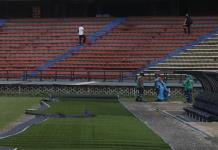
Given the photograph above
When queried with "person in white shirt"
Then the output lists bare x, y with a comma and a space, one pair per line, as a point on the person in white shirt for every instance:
81, 34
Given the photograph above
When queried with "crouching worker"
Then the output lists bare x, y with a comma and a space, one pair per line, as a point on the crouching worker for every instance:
140, 87
161, 89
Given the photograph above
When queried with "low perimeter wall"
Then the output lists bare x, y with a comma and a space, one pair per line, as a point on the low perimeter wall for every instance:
43, 89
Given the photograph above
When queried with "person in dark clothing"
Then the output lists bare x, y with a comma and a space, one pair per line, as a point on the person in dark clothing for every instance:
188, 87
140, 87
187, 24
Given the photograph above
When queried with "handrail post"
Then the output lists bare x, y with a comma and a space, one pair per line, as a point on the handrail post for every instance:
74, 75
166, 76
104, 76
149, 76
180, 78
71, 76
121, 77
40, 75
7, 75
24, 75
56, 75
88, 76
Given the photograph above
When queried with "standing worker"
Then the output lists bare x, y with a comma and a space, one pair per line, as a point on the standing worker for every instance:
188, 86
162, 92
187, 23
81, 33
140, 87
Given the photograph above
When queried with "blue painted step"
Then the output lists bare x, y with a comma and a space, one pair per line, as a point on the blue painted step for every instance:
92, 38
179, 50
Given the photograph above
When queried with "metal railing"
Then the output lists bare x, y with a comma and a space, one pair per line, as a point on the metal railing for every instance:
58, 75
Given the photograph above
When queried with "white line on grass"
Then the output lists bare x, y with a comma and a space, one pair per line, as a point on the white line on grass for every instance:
19, 131
15, 133
46, 104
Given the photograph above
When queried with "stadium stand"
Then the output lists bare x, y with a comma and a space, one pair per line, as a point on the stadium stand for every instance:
132, 45
200, 56
29, 43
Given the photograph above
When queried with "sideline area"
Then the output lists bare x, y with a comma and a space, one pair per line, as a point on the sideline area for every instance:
162, 118
12, 113
12, 109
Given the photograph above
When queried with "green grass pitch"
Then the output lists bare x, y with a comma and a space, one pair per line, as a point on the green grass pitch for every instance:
113, 128
11, 108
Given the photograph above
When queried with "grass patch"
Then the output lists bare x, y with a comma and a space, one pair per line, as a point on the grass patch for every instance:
113, 128
13, 107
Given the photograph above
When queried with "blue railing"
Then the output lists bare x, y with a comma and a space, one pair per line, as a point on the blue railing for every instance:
2, 22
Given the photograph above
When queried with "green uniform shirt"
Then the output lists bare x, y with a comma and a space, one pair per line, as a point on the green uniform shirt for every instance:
188, 83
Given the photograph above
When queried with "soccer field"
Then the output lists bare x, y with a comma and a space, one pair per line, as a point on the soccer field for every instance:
112, 128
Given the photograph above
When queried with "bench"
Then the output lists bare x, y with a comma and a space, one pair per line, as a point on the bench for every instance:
200, 115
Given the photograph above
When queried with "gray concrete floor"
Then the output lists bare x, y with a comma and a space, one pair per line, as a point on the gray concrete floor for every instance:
180, 135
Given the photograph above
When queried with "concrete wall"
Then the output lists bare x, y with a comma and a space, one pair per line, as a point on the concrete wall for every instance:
45, 90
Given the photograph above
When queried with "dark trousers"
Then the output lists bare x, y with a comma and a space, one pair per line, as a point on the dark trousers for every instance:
187, 28
140, 94
81, 39
188, 95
